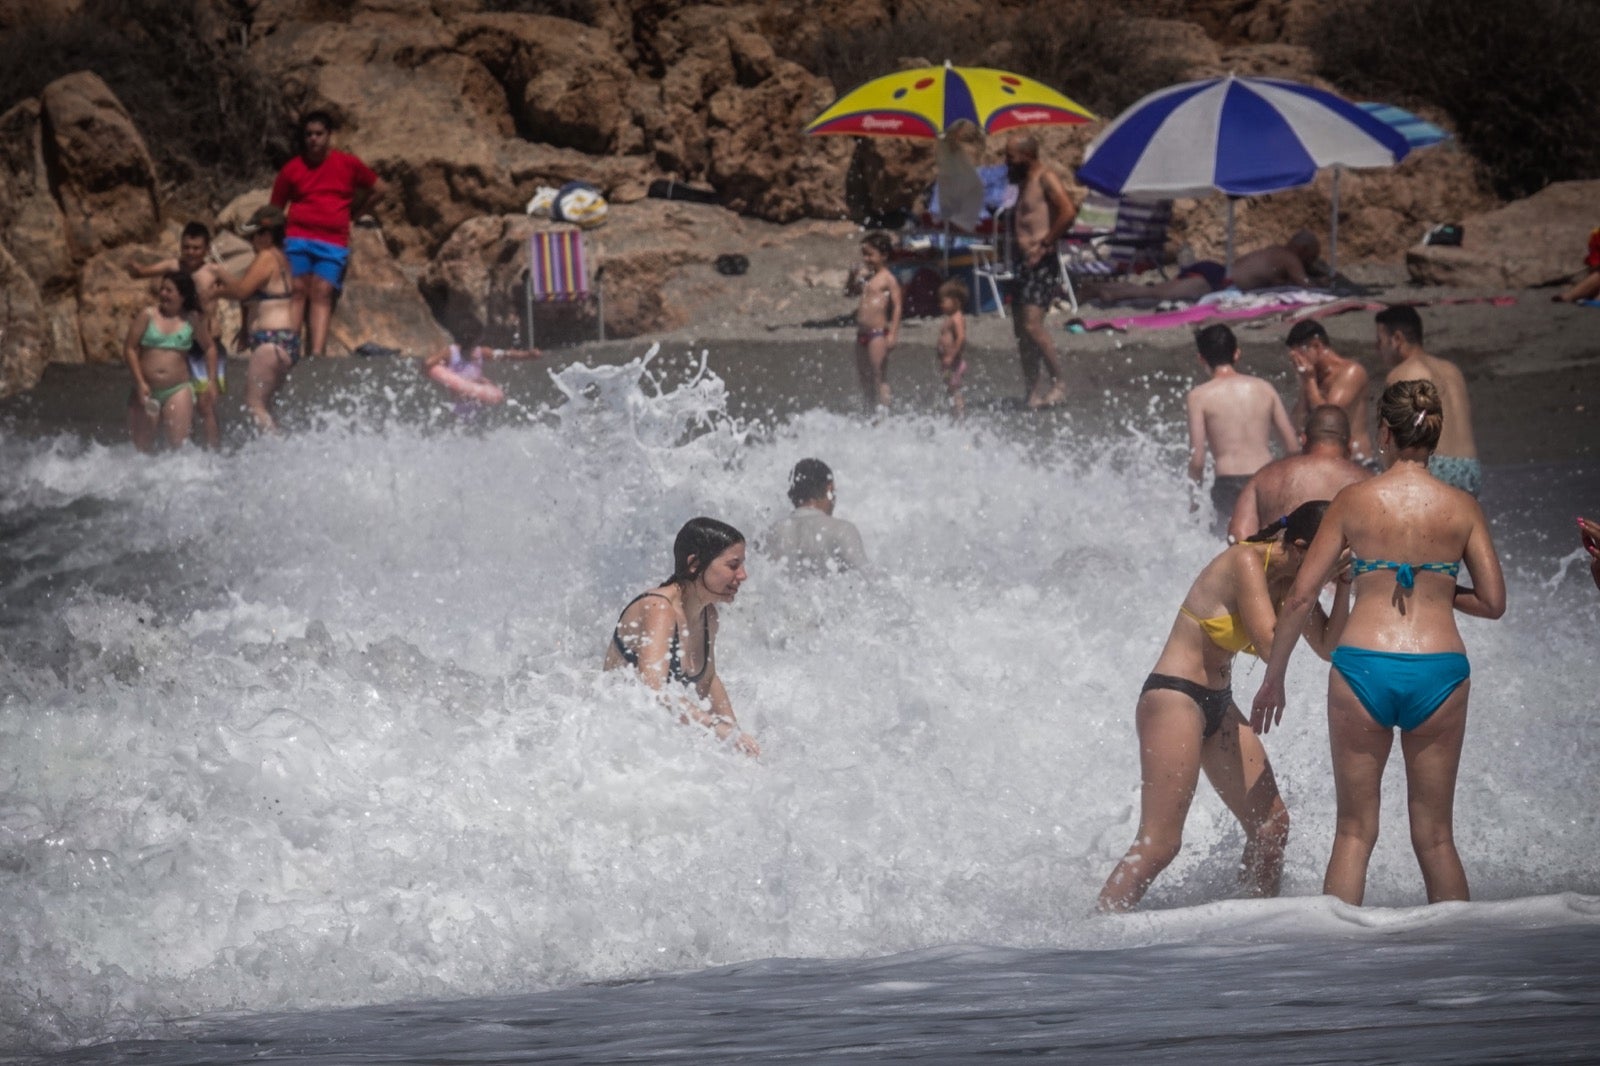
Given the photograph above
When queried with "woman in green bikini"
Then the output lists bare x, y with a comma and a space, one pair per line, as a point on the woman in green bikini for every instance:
157, 351
1188, 722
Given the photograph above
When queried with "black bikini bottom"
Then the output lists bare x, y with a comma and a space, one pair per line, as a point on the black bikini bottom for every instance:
1213, 702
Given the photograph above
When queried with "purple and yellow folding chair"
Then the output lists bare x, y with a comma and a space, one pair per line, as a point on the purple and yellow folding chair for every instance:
558, 273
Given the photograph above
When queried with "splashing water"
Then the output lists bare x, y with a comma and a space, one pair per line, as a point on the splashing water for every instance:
321, 722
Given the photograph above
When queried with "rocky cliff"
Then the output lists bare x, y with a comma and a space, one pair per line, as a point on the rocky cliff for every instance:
467, 111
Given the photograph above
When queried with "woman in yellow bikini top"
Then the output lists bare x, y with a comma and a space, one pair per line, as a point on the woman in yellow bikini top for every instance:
1187, 720
1227, 631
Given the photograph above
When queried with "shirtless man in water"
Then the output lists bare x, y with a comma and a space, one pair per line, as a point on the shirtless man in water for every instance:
1455, 459
877, 318
1264, 268
1234, 415
1328, 377
1322, 468
1042, 215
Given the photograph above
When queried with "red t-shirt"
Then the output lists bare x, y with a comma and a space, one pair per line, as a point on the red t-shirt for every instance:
318, 198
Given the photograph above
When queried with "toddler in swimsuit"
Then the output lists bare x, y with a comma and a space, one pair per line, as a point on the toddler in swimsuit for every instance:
953, 341
877, 318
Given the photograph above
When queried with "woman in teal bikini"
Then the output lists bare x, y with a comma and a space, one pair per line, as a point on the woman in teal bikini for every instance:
1187, 720
157, 353
1401, 662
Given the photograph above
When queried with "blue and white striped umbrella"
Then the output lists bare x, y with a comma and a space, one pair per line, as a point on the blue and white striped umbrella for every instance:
1233, 135
1239, 136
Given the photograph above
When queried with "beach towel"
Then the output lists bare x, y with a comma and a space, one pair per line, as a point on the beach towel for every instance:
1227, 305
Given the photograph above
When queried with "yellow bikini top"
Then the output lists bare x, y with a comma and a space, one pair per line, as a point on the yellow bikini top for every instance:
1227, 630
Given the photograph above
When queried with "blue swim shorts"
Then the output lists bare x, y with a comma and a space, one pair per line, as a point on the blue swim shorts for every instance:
326, 261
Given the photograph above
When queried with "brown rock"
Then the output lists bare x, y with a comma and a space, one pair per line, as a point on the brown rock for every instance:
1528, 243
107, 301
380, 303
655, 254
31, 223
24, 346
105, 181
762, 162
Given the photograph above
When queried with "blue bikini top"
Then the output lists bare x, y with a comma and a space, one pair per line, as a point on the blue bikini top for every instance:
1405, 575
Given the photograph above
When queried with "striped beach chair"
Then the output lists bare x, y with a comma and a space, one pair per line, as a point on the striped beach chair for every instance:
558, 272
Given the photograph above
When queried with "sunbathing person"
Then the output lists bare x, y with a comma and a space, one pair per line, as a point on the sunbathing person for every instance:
1264, 268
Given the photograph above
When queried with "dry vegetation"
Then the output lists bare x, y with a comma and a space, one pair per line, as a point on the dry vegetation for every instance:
213, 123
1518, 80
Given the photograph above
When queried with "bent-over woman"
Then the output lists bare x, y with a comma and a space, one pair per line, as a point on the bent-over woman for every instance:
1400, 662
1188, 722
669, 633
266, 294
157, 352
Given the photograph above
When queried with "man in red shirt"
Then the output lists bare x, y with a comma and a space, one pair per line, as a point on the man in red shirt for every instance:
321, 188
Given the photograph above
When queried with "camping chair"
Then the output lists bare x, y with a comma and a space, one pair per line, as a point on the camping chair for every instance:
558, 273
1112, 237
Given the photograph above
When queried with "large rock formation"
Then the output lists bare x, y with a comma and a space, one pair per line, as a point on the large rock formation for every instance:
107, 182
1532, 242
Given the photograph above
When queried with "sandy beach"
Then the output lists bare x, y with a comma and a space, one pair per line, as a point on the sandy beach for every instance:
781, 336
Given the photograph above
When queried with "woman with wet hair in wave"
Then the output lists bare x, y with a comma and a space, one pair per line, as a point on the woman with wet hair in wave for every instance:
668, 634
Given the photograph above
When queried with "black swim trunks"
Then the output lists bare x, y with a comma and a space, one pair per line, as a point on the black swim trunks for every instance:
1225, 492
1214, 273
1213, 702
1036, 285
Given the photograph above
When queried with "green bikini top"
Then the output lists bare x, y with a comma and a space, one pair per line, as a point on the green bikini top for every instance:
179, 340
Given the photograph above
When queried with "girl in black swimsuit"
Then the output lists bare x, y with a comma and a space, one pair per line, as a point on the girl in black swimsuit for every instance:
656, 635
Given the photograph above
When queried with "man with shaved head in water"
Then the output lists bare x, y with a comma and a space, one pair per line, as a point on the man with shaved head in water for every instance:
1322, 468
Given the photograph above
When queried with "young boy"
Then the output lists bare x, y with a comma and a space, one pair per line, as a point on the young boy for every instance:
877, 318
194, 259
1234, 415
953, 341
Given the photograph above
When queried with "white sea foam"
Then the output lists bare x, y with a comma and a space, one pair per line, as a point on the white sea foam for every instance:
321, 722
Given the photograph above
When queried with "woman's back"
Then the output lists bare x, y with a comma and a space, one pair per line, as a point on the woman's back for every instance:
1407, 533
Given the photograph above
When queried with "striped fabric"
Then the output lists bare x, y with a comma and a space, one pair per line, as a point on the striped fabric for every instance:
1113, 236
557, 270
1418, 132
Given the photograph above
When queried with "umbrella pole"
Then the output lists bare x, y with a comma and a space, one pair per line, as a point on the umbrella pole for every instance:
1230, 236
1333, 231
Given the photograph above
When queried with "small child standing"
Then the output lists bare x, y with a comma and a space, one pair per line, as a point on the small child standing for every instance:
953, 298
877, 318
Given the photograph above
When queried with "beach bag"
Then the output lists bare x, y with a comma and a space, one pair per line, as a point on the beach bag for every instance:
580, 203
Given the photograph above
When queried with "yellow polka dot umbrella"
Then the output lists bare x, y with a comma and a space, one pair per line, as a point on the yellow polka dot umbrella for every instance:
927, 101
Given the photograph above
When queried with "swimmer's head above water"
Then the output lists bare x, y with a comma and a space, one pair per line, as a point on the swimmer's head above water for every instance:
810, 482
711, 553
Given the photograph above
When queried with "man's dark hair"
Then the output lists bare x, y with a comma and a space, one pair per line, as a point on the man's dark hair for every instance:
809, 480
1217, 345
1401, 319
881, 241
1302, 332
194, 230
321, 118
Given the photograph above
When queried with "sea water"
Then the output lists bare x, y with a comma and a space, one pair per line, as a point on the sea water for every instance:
305, 755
